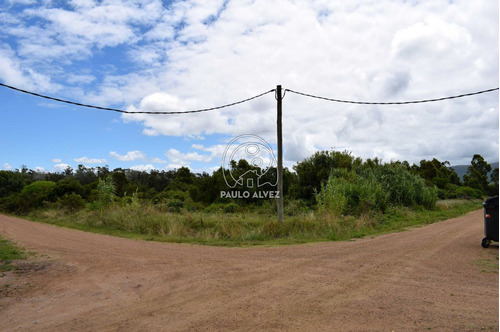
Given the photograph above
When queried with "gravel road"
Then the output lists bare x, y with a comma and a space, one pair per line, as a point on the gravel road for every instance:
436, 277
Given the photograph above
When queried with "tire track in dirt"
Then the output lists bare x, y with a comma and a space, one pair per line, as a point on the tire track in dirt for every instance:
424, 278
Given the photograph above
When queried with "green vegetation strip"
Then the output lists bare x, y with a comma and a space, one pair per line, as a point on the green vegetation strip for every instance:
9, 252
247, 229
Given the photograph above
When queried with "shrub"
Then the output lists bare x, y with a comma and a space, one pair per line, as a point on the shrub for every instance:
13, 204
41, 188
10, 183
105, 194
466, 193
295, 207
347, 192
33, 196
365, 190
68, 186
405, 188
223, 207
175, 205
71, 202
230, 207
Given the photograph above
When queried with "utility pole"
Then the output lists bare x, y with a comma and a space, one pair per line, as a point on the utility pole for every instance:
280, 156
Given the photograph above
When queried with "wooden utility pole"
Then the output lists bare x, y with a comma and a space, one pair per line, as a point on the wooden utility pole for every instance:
280, 156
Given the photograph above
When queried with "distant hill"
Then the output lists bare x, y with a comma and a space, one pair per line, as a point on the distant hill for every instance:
462, 169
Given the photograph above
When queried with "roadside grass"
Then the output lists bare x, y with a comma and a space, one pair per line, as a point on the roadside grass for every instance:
490, 263
144, 221
10, 252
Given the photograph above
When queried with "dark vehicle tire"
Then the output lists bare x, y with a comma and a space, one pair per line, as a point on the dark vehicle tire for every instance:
485, 243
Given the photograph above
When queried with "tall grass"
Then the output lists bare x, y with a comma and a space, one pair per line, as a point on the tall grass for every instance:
150, 222
405, 188
373, 190
349, 193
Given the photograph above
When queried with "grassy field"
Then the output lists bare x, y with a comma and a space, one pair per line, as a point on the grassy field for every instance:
146, 222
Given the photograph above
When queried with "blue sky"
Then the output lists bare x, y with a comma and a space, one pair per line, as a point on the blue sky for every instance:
149, 55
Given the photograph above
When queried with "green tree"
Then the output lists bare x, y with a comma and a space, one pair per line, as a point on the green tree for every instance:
85, 175
71, 202
313, 172
437, 172
366, 189
120, 181
35, 194
477, 174
10, 183
105, 193
68, 186
493, 187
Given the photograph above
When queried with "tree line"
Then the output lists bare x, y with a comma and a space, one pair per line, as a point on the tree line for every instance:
320, 181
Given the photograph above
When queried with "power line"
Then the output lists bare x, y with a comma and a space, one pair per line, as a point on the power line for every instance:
137, 112
248, 99
391, 103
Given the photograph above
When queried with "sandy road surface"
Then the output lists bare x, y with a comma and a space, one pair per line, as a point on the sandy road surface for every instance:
428, 278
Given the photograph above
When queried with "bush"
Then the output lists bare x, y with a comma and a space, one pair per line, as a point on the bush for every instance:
372, 189
349, 193
13, 204
71, 202
68, 186
405, 188
105, 194
466, 193
10, 183
41, 188
175, 205
34, 195
295, 207
222, 207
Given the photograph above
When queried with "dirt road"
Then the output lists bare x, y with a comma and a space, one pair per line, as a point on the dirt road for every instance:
428, 278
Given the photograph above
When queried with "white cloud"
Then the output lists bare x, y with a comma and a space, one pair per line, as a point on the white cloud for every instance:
14, 73
22, 2
198, 54
145, 168
39, 169
129, 156
345, 51
86, 160
216, 151
81, 79
56, 160
177, 158
61, 167
7, 167
158, 161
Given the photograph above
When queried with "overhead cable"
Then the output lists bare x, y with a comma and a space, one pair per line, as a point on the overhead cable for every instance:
134, 112
248, 99
391, 103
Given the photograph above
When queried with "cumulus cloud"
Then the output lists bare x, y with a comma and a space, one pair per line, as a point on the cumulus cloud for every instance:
86, 160
7, 167
13, 72
129, 156
158, 161
216, 151
177, 158
416, 54
199, 54
39, 169
143, 168
60, 167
